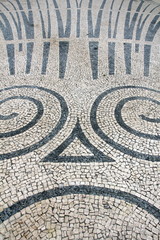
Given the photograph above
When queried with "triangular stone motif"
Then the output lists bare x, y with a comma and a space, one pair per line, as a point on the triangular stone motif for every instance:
89, 152
76, 148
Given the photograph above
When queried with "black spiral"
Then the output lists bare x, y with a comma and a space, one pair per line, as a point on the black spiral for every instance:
40, 111
118, 124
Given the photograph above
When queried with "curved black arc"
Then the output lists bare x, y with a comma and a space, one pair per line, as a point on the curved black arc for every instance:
120, 121
8, 117
81, 189
102, 135
58, 127
30, 124
155, 120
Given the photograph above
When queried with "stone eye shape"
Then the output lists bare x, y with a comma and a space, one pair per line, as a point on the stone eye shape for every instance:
29, 121
127, 109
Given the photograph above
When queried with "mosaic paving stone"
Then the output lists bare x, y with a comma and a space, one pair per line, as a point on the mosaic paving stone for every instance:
79, 119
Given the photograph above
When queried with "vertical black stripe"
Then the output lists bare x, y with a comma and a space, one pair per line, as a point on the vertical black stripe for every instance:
61, 32
116, 26
110, 25
94, 33
153, 28
136, 48
28, 4
29, 56
130, 5
90, 24
44, 34
112, 4
116, 22
42, 20
49, 24
55, 3
111, 57
49, 19
121, 5
151, 32
6, 27
78, 23
17, 24
130, 23
140, 26
90, 3
20, 47
127, 55
140, 6
46, 50
19, 5
103, 4
68, 24
93, 49
28, 24
47, 4
28, 20
98, 24
147, 55
11, 58
63, 55
78, 5
68, 4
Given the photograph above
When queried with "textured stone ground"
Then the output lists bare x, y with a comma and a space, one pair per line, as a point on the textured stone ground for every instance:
79, 119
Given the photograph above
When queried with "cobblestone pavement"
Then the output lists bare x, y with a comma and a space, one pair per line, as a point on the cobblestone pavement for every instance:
79, 119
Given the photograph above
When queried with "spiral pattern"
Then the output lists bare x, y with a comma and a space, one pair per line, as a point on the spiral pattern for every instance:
127, 118
28, 113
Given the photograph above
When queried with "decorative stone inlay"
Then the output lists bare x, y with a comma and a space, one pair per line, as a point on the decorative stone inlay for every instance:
79, 120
